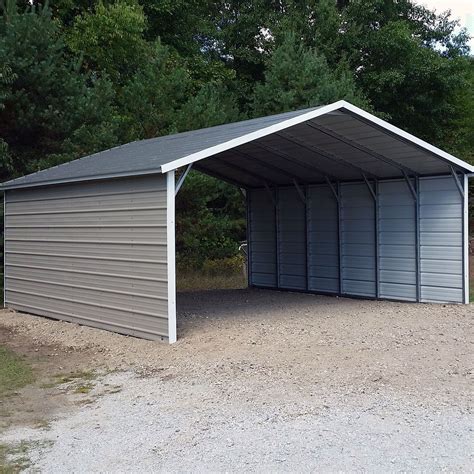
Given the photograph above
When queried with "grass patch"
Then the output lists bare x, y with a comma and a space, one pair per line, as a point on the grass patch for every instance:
187, 281
15, 372
86, 388
73, 376
14, 457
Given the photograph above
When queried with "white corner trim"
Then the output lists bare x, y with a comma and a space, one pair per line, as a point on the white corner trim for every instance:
171, 255
249, 137
465, 233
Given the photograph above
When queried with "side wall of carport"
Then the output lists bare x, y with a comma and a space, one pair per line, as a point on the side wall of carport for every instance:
94, 253
394, 240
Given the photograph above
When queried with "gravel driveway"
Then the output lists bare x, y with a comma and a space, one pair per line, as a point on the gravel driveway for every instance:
269, 381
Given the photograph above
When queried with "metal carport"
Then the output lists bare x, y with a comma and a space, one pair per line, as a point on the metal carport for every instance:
338, 202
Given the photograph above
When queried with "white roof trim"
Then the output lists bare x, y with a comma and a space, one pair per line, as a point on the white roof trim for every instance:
341, 104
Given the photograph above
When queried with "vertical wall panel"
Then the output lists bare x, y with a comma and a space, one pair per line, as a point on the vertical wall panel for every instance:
92, 253
323, 240
291, 239
397, 241
262, 244
358, 240
441, 240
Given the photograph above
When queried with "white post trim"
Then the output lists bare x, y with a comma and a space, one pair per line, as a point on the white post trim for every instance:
4, 253
171, 254
466, 239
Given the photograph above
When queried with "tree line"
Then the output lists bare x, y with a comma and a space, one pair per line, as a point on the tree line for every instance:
79, 76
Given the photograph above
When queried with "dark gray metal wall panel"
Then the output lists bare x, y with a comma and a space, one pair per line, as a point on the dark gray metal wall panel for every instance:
291, 239
323, 239
397, 241
441, 232
358, 240
92, 253
262, 244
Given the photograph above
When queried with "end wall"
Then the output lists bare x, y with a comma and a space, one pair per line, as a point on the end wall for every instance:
92, 253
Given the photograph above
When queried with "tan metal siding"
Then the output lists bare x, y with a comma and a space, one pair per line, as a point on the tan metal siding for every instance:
91, 253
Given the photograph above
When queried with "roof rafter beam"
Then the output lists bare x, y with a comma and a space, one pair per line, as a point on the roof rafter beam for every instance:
362, 148
326, 155
253, 175
310, 167
266, 164
214, 174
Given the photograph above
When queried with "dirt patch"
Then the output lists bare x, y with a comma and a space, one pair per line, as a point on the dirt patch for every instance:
268, 380
54, 367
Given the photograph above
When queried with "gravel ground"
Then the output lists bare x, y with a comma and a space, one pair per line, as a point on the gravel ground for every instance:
262, 381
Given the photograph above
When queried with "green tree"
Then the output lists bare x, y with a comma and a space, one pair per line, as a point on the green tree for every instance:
298, 76
408, 61
111, 39
49, 112
210, 220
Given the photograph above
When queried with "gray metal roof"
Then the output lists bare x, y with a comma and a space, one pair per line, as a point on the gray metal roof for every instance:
337, 141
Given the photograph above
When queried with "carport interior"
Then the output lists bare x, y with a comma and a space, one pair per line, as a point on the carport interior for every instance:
340, 205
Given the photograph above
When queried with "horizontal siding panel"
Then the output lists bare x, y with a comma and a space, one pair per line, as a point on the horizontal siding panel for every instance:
132, 251
94, 297
93, 253
101, 280
436, 211
441, 253
324, 271
119, 200
122, 217
122, 234
130, 268
442, 266
264, 279
394, 251
431, 294
262, 241
398, 238
403, 277
358, 288
441, 240
87, 314
330, 285
398, 263
295, 282
441, 280
450, 239
398, 292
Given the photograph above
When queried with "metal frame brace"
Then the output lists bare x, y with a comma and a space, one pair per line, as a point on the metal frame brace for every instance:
182, 178
458, 183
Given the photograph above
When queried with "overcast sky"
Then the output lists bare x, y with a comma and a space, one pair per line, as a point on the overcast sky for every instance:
462, 9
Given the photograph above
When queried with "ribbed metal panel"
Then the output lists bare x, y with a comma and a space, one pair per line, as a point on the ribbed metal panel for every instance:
441, 240
92, 253
397, 240
262, 243
412, 262
323, 239
358, 240
291, 239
